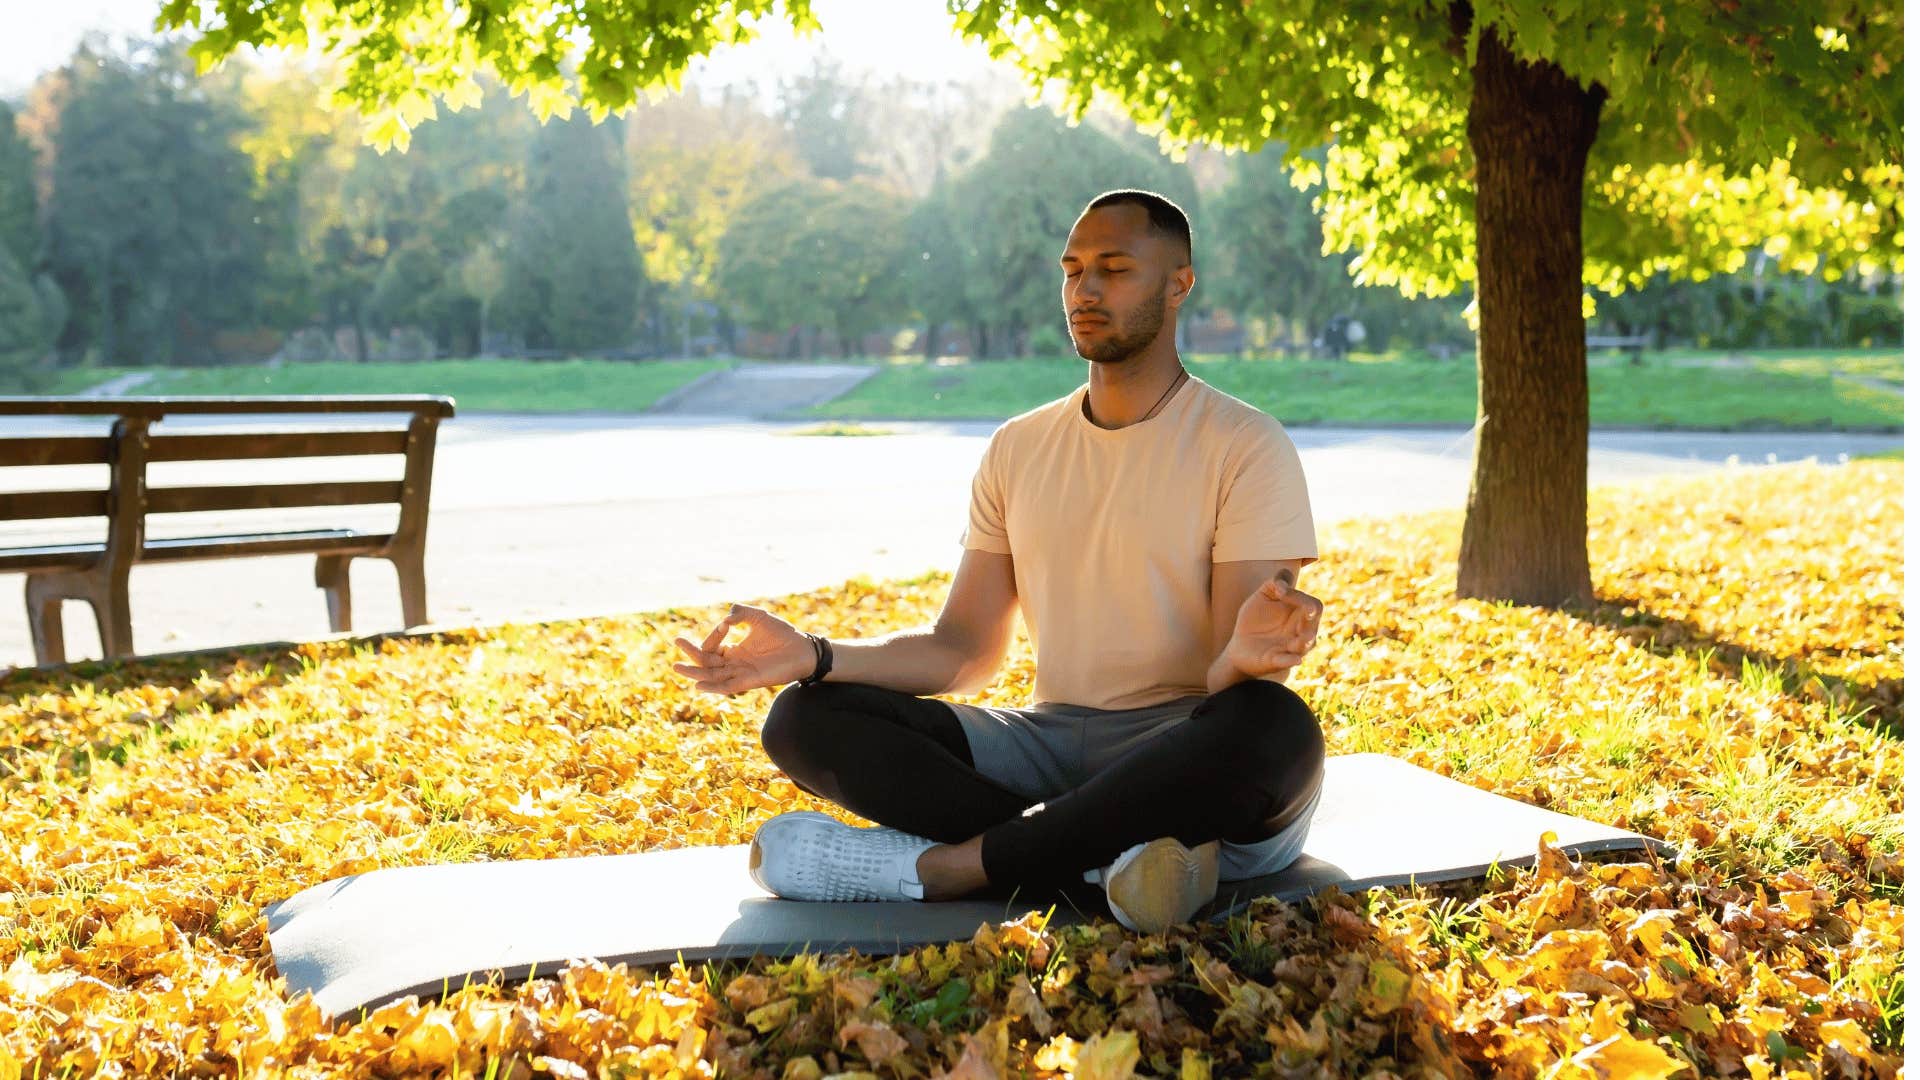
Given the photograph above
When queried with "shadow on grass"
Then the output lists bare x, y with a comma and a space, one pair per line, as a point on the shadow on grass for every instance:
75, 741
1879, 707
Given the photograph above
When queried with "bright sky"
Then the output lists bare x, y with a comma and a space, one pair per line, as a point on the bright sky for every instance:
884, 37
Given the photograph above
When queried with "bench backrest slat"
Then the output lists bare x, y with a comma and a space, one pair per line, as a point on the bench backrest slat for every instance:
274, 444
153, 408
187, 500
55, 450
32, 505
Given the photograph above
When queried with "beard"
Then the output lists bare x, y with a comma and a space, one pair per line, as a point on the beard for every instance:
1135, 333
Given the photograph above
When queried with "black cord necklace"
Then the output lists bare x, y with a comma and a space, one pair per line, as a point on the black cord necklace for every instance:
1177, 379
1086, 401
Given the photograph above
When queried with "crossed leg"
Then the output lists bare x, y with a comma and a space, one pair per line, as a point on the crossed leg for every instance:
1242, 767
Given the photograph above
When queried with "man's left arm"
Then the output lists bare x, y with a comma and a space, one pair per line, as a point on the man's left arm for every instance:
1267, 626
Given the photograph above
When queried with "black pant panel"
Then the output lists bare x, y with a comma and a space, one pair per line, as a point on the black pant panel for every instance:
890, 757
1241, 768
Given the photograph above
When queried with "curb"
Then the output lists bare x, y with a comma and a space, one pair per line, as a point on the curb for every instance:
412, 633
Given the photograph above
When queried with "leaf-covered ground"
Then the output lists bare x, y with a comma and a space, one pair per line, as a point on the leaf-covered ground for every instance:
1739, 693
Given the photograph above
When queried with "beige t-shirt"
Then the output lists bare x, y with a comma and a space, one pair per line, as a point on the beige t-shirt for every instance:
1114, 534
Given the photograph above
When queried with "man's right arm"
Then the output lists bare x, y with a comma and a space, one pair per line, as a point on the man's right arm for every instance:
960, 653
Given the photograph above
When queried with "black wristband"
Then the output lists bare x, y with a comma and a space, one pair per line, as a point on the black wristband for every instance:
822, 659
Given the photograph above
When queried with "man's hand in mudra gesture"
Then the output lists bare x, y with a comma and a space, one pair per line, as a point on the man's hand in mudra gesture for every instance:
1276, 627
773, 652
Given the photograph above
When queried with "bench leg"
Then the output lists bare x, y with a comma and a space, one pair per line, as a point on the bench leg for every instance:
113, 614
104, 591
330, 573
410, 567
43, 619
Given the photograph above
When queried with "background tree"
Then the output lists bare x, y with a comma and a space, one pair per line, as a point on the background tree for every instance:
934, 266
826, 115
19, 205
1261, 238
150, 230
812, 258
32, 309
920, 133
691, 165
1014, 206
31, 315
572, 271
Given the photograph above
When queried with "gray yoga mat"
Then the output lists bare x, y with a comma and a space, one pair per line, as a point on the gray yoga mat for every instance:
370, 938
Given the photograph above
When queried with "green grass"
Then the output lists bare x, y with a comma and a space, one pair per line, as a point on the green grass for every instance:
1887, 365
1679, 389
1794, 390
62, 381
476, 385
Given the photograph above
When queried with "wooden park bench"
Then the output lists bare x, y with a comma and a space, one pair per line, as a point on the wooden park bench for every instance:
1632, 343
97, 572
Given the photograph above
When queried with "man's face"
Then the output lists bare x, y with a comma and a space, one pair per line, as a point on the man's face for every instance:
1121, 281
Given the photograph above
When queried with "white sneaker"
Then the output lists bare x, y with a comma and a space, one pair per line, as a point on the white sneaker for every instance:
1154, 885
806, 855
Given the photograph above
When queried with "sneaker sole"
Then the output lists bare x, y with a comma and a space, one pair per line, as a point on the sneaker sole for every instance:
1164, 885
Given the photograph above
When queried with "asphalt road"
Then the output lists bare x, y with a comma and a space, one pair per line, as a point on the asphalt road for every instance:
551, 517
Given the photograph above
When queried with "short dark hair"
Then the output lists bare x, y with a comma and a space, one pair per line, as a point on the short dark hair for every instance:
1166, 218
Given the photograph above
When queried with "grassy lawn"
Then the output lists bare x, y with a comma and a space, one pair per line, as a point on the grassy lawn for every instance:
1751, 717
1679, 390
477, 385
1780, 389
72, 380
1789, 391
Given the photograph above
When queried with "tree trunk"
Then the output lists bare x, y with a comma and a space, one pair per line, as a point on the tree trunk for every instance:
360, 332
108, 338
1525, 538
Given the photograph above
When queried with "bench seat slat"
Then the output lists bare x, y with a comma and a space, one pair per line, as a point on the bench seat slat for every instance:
35, 505
55, 450
186, 500
48, 557
315, 541
274, 444
187, 548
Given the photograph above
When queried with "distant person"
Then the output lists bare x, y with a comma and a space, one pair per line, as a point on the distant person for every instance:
1342, 334
1150, 529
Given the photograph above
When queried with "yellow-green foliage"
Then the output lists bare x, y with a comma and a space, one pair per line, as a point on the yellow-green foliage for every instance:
1739, 694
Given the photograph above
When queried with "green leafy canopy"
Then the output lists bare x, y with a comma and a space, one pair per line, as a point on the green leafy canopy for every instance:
402, 56
1729, 125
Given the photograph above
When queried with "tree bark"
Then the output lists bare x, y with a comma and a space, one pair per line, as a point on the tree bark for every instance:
1525, 538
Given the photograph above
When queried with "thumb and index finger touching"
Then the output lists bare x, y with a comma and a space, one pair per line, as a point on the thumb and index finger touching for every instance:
708, 649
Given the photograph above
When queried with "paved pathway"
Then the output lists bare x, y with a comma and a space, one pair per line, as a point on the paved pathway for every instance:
118, 385
546, 517
762, 390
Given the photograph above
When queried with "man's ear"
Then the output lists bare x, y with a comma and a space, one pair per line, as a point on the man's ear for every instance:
1179, 285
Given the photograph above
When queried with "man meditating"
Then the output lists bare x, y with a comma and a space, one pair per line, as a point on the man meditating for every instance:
1149, 529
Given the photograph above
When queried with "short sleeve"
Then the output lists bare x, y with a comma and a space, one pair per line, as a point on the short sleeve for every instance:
1263, 512
987, 511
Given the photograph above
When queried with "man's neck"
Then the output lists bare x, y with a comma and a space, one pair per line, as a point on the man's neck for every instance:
1121, 395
